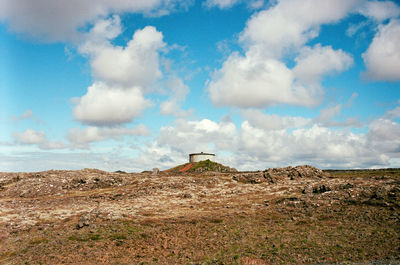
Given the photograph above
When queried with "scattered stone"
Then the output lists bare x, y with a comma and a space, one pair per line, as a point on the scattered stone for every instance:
321, 189
185, 196
307, 190
348, 186
155, 171
84, 220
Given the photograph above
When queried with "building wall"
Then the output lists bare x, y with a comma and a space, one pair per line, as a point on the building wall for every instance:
201, 157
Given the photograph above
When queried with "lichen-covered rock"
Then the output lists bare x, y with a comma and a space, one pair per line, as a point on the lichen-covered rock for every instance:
252, 178
292, 173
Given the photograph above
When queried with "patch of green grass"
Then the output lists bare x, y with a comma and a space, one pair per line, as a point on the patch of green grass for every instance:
38, 241
204, 164
118, 236
134, 229
216, 220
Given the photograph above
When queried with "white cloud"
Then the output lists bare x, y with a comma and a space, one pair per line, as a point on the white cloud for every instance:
274, 121
122, 74
104, 105
328, 113
221, 3
327, 116
224, 4
354, 28
196, 136
382, 57
175, 142
28, 114
385, 130
39, 138
30, 137
319, 146
291, 23
260, 141
383, 135
260, 77
137, 64
313, 63
60, 20
254, 81
394, 113
255, 145
380, 10
178, 92
269, 140
81, 138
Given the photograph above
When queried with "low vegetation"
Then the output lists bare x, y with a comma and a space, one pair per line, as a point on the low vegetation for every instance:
344, 217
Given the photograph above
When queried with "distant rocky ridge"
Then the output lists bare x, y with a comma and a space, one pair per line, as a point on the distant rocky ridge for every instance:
273, 175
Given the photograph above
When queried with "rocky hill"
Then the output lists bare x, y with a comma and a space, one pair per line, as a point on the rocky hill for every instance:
202, 166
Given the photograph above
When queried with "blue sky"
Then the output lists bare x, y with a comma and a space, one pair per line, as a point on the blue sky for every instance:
132, 85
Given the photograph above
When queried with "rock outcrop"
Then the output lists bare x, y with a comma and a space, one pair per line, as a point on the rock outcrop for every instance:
274, 175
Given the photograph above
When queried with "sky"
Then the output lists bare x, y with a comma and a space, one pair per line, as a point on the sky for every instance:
140, 84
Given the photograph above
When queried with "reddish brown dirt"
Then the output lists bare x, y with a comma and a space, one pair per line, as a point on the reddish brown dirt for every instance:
186, 168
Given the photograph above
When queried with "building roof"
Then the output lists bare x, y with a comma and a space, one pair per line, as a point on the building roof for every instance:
201, 154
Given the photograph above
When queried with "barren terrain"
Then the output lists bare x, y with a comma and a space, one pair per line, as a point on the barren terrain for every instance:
296, 215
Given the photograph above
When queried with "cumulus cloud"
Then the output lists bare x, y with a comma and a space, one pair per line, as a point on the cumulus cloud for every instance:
382, 57
137, 64
256, 145
60, 20
253, 81
122, 74
81, 138
104, 105
270, 140
175, 142
383, 135
274, 121
291, 23
379, 10
39, 138
313, 63
260, 77
196, 136
260, 141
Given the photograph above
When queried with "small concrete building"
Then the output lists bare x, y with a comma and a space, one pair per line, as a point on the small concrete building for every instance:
197, 157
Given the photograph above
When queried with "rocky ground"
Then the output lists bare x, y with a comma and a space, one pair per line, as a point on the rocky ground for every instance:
295, 215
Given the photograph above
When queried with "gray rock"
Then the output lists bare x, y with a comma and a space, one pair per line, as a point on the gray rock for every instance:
155, 171
83, 221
